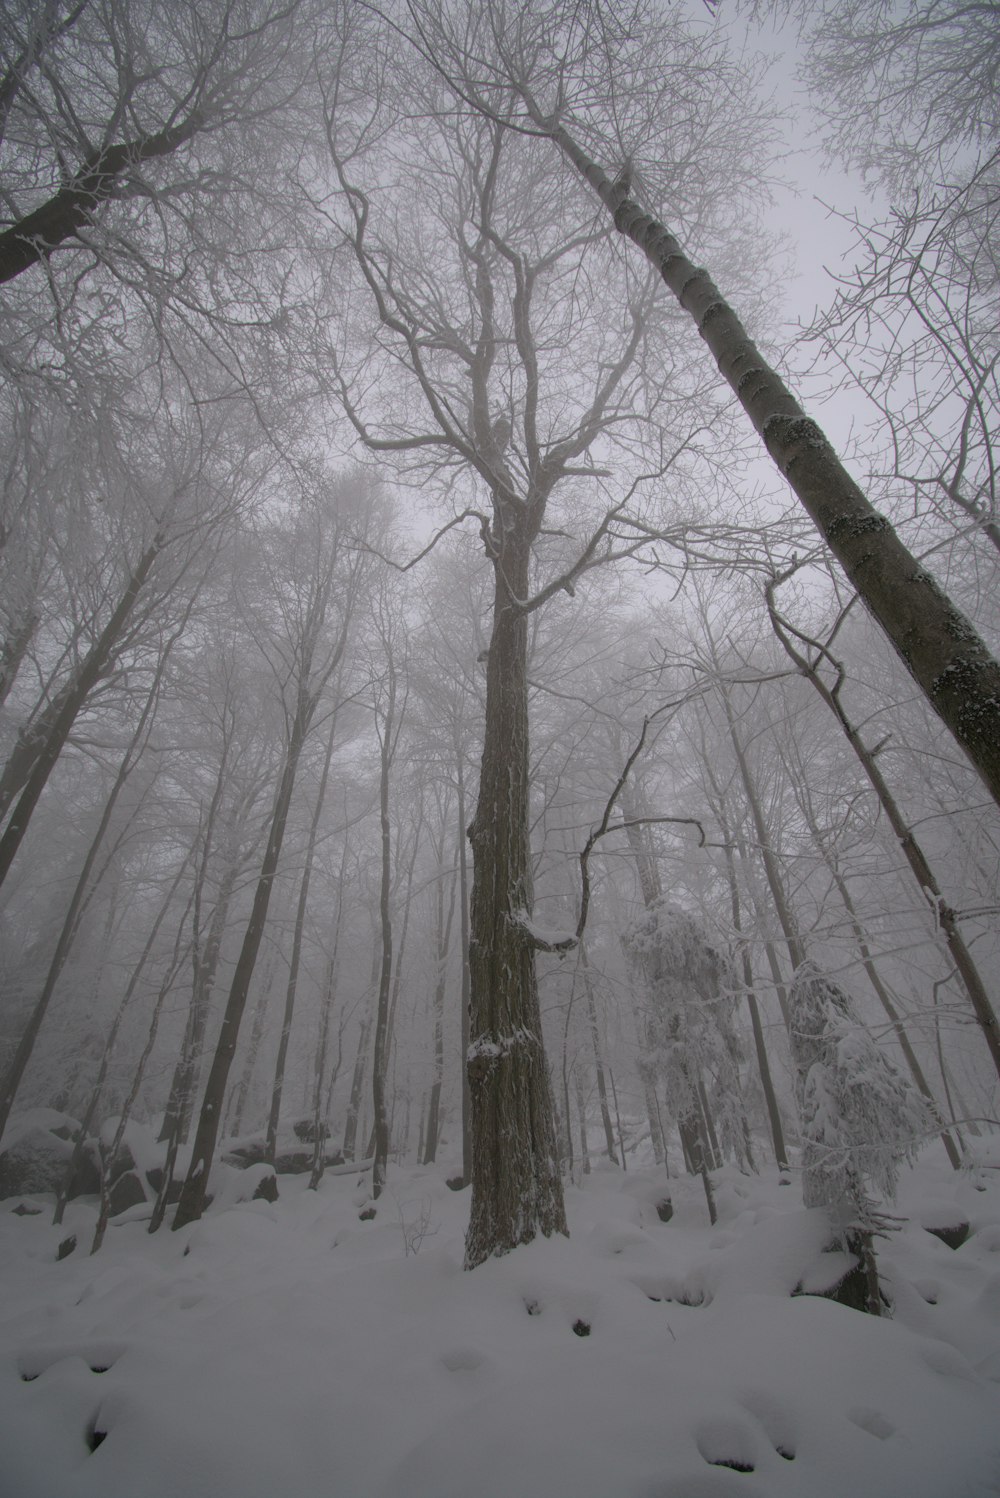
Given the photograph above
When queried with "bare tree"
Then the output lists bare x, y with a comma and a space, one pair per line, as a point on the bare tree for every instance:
511, 380
520, 76
117, 119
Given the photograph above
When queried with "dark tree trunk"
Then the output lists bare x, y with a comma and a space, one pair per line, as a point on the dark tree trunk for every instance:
72, 208
516, 1189
274, 1113
380, 1059
357, 1085
466, 1015
443, 947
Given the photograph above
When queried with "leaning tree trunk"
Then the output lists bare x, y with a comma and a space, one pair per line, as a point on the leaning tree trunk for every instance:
943, 914
937, 643
49, 738
82, 894
516, 1189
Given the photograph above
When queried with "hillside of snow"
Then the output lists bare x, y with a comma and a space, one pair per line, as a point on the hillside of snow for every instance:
296, 1349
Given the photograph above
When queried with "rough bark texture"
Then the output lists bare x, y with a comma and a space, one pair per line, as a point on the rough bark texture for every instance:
938, 644
516, 1189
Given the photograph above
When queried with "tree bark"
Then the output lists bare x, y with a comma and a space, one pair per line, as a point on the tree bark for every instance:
442, 949
516, 1189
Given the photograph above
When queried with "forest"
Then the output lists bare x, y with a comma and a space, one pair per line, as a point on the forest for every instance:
499, 748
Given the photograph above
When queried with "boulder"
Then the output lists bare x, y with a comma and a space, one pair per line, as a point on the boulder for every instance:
266, 1189
36, 1160
126, 1191
154, 1178
288, 1160
953, 1234
243, 1156
87, 1175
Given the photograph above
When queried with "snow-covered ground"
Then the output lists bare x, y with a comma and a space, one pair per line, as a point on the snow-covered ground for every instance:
295, 1351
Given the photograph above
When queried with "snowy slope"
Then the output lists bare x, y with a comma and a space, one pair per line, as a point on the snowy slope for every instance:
296, 1350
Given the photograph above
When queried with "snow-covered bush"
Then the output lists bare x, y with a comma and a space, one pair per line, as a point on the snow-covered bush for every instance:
860, 1117
690, 1037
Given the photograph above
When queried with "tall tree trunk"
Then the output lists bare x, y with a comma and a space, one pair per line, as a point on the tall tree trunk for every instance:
516, 1189
274, 1113
652, 890
442, 948
936, 642
205, 961
465, 1028
595, 1040
760, 1047
240, 1094
358, 1074
386, 734
137, 1077
775, 883
192, 1199
581, 1114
